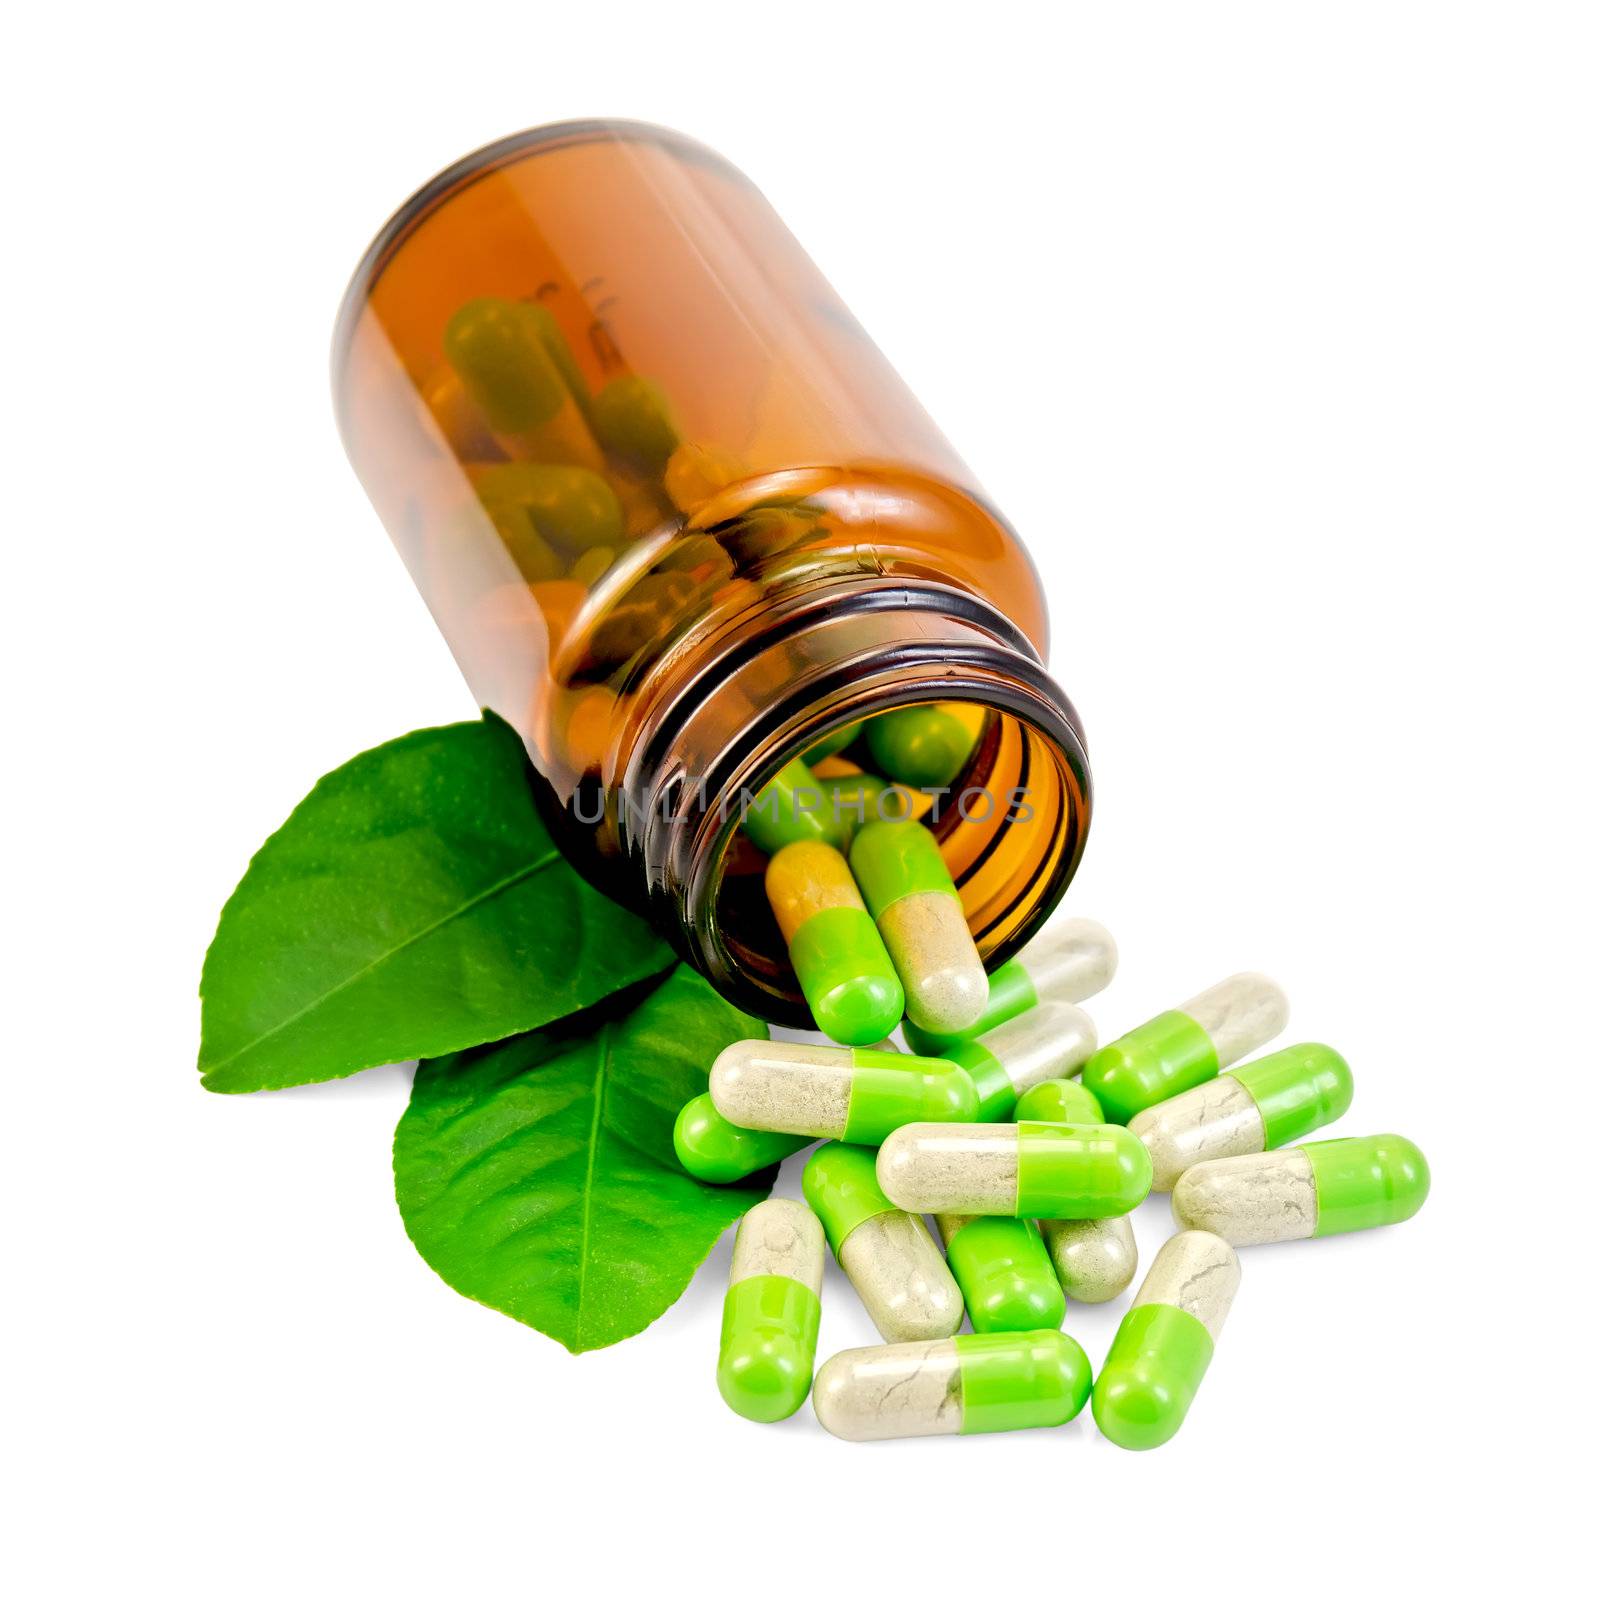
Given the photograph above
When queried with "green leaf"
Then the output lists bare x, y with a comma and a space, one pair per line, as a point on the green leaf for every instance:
538, 1175
412, 904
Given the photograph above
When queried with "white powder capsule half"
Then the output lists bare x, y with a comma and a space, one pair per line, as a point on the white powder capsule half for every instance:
1197, 1272
1070, 959
1049, 1041
1095, 1259
1239, 1014
779, 1238
893, 1392
1258, 1199
931, 947
1206, 1123
779, 1087
957, 1167
901, 1276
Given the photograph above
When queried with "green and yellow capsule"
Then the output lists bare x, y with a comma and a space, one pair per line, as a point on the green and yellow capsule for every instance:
1094, 1258
923, 747
974, 1383
857, 1096
845, 973
1070, 959
790, 810
1020, 1169
772, 1311
1004, 1273
887, 1254
1305, 1192
712, 1149
1256, 1107
1162, 1350
1191, 1045
910, 894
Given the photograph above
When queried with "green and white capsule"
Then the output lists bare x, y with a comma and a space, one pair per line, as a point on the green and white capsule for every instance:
1070, 959
1162, 1350
1004, 1273
1259, 1106
1094, 1258
714, 1150
887, 1254
1045, 1043
1305, 1192
772, 1311
912, 899
975, 1383
859, 1096
1020, 1169
1189, 1046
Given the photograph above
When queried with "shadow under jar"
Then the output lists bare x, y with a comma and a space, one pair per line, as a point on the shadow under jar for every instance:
678, 519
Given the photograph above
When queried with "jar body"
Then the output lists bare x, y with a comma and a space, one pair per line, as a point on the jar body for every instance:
676, 516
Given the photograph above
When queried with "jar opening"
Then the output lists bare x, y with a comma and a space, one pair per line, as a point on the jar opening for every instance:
1010, 826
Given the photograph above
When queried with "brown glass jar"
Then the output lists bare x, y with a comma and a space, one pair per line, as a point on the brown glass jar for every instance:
678, 518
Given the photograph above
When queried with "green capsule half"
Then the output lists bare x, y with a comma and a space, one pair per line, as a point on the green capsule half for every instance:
840, 1184
1060, 1100
631, 418
851, 800
712, 1149
572, 508
496, 349
1004, 1272
1367, 1182
830, 744
1297, 1090
790, 810
924, 747
1155, 1061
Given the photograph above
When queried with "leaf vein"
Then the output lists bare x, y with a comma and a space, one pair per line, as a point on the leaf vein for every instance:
604, 1040
509, 881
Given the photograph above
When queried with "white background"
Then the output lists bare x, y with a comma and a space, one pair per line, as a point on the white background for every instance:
1294, 400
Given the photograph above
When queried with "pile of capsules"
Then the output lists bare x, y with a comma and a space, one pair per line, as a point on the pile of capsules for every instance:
1029, 1147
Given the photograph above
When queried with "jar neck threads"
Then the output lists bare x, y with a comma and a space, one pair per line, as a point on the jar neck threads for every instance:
832, 652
